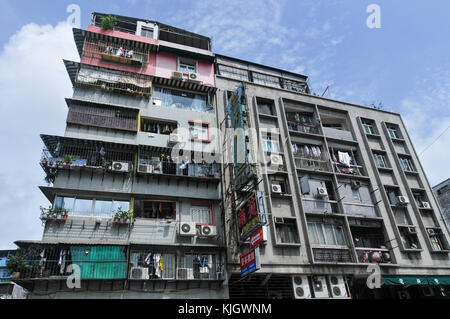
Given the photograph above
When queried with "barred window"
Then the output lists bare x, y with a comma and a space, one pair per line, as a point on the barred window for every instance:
233, 73
266, 80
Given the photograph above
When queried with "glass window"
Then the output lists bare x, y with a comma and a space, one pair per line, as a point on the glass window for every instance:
325, 234
271, 145
187, 66
406, 164
265, 108
287, 232
182, 99
124, 205
201, 214
102, 208
379, 160
83, 207
199, 131
156, 210
266, 79
233, 73
147, 32
65, 202
368, 127
394, 132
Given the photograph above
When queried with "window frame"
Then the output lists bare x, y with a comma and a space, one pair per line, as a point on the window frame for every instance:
193, 124
92, 209
187, 62
324, 234
199, 203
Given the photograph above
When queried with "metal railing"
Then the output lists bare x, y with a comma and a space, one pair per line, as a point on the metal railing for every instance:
332, 255
183, 169
310, 128
373, 255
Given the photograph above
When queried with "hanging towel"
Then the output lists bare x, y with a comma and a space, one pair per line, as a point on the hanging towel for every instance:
148, 259
344, 158
157, 258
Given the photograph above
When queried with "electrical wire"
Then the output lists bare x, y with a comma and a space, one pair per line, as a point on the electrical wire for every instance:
434, 140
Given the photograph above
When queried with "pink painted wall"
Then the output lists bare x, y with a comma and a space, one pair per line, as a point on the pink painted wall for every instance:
123, 35
167, 62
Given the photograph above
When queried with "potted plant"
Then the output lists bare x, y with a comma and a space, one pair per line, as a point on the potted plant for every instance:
117, 217
68, 160
17, 265
109, 22
44, 161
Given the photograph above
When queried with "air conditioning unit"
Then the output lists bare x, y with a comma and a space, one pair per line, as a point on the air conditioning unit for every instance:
175, 138
425, 205
120, 167
187, 229
139, 273
402, 200
412, 230
337, 285
276, 160
276, 188
145, 168
279, 220
427, 291
194, 78
301, 287
431, 232
177, 75
185, 273
208, 231
322, 192
319, 285
355, 184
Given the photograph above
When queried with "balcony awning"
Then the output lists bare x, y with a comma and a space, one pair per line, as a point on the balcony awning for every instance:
51, 142
185, 85
416, 280
72, 69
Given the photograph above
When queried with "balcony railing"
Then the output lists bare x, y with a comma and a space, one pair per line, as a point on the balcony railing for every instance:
332, 255
310, 128
115, 53
360, 210
319, 207
186, 169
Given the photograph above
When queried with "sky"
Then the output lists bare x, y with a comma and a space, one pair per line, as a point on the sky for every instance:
404, 66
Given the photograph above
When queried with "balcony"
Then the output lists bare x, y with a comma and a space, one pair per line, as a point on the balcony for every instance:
67, 153
360, 210
307, 127
369, 255
346, 162
327, 255
337, 134
310, 157
148, 265
87, 114
319, 207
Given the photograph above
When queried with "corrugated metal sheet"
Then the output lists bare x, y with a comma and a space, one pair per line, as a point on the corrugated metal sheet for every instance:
100, 262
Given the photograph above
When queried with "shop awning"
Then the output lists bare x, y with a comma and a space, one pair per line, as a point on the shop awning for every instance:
416, 280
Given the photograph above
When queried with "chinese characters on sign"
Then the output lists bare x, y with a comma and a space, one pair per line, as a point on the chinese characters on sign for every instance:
251, 215
250, 262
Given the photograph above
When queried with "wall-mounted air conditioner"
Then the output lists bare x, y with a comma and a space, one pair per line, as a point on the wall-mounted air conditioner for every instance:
402, 200
185, 273
276, 188
194, 78
319, 285
187, 229
337, 286
208, 231
177, 75
412, 230
139, 273
120, 167
425, 205
276, 160
322, 192
301, 287
431, 232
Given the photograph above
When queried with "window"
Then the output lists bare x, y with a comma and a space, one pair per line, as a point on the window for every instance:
326, 234
187, 66
91, 207
294, 85
270, 145
356, 196
266, 80
157, 127
406, 164
182, 100
160, 265
394, 132
436, 243
199, 131
155, 209
265, 108
147, 32
287, 232
233, 73
380, 161
201, 215
369, 127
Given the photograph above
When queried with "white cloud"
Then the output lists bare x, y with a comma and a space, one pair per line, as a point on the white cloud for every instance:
426, 113
33, 85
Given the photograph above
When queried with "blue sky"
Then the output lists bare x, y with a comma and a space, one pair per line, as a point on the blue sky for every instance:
405, 65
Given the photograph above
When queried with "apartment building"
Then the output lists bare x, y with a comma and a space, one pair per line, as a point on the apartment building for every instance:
342, 188
132, 201
442, 193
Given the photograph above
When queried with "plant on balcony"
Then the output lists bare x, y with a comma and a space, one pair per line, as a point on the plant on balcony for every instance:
16, 265
68, 160
109, 22
123, 215
44, 161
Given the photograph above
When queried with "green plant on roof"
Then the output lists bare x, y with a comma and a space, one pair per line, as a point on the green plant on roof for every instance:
109, 22
17, 263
